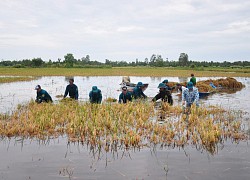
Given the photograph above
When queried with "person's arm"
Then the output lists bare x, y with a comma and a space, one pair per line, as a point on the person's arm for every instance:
158, 96
196, 100
66, 92
120, 98
135, 94
76, 95
100, 98
90, 96
143, 95
170, 99
37, 96
129, 96
183, 96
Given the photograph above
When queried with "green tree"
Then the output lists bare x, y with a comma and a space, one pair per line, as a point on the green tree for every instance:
37, 62
159, 61
183, 59
69, 60
152, 60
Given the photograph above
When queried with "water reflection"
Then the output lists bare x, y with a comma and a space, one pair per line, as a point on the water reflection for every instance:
157, 79
183, 79
67, 78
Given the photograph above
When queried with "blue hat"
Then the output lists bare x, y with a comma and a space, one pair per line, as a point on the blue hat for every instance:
190, 85
165, 81
139, 84
162, 85
94, 89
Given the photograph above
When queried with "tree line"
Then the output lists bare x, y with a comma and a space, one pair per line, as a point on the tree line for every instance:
70, 61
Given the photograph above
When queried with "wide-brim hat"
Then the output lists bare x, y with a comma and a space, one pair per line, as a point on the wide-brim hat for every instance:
165, 81
140, 84
94, 89
162, 85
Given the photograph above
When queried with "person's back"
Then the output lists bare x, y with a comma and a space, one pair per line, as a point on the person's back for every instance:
190, 95
95, 96
193, 79
137, 92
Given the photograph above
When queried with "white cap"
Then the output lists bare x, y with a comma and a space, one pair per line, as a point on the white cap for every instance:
37, 87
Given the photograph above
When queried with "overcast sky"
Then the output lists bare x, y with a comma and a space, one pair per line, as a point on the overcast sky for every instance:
212, 30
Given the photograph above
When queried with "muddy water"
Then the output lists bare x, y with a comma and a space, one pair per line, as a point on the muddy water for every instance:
55, 160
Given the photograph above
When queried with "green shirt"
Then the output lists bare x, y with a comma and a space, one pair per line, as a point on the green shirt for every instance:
193, 80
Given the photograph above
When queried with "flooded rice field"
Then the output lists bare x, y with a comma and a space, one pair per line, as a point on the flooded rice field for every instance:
56, 159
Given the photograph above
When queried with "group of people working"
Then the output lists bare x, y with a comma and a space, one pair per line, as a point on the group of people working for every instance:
95, 95
190, 93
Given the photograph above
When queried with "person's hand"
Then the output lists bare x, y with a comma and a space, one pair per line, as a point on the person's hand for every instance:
183, 103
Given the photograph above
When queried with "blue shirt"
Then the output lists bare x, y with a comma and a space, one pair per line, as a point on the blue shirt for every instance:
42, 95
72, 90
95, 97
191, 96
125, 97
138, 93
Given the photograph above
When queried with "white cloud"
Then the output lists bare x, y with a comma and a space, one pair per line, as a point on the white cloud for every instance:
125, 29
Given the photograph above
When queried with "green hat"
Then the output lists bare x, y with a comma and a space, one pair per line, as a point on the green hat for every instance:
190, 85
162, 85
94, 89
165, 81
140, 84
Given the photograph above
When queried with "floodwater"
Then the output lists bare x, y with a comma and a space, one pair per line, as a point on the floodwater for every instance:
30, 159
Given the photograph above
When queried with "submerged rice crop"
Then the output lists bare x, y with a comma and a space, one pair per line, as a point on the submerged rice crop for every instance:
15, 79
112, 126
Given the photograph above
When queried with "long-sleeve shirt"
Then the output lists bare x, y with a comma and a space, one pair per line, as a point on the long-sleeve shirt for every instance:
190, 96
72, 90
95, 97
164, 96
43, 95
138, 93
124, 98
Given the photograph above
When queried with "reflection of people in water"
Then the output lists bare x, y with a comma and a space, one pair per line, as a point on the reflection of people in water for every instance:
183, 79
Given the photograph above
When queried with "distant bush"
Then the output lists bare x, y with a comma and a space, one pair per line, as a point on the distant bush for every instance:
18, 66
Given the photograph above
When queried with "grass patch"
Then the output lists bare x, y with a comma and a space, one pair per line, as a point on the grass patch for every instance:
126, 71
15, 79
